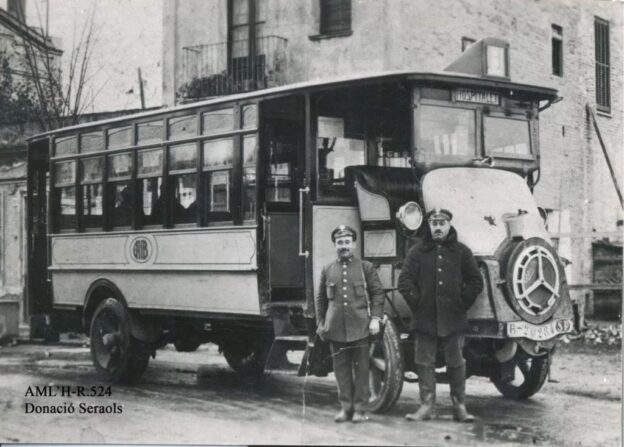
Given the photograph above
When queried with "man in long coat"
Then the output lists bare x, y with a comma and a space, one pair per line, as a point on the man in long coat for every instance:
440, 280
349, 308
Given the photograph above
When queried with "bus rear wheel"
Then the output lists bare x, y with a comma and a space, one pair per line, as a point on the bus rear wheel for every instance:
116, 354
247, 357
386, 369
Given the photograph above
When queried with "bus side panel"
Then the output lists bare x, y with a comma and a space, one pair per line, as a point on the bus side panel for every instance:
209, 270
219, 292
206, 250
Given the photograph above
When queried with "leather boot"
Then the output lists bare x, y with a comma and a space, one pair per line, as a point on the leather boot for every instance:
343, 416
426, 385
457, 381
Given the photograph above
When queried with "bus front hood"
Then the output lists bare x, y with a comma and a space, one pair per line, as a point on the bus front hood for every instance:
484, 202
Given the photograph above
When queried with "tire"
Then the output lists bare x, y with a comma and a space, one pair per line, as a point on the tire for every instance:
386, 370
115, 353
529, 376
536, 306
247, 358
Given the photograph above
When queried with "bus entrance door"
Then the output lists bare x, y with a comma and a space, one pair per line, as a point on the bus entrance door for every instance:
283, 157
38, 296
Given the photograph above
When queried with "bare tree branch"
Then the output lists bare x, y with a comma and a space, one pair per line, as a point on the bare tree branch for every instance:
58, 102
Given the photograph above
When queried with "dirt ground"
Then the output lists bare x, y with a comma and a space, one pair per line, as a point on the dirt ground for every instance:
196, 398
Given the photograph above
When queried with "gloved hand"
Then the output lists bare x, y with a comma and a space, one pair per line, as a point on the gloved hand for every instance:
374, 326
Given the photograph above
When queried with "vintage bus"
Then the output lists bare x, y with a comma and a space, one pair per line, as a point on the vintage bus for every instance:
210, 221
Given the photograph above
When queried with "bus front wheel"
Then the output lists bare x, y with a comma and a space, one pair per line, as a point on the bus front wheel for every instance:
386, 369
116, 354
530, 373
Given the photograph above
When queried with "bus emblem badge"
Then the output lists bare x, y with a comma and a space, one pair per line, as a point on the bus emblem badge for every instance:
140, 249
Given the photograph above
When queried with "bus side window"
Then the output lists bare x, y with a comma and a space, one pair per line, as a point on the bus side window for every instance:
91, 188
218, 161
282, 153
183, 183
250, 143
65, 194
149, 174
120, 189
337, 149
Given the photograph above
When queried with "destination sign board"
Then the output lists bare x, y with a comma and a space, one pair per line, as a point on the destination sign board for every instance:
480, 97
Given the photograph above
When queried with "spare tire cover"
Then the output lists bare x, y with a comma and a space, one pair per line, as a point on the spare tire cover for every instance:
533, 280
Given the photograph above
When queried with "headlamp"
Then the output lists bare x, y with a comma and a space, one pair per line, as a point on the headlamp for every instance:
410, 215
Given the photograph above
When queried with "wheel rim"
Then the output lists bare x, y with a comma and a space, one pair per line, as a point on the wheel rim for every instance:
536, 280
378, 366
108, 340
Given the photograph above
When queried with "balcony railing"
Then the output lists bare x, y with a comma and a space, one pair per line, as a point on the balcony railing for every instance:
210, 71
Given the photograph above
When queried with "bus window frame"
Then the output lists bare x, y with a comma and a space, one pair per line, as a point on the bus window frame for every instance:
64, 136
255, 165
147, 120
449, 158
132, 182
139, 177
169, 201
80, 192
516, 115
129, 145
54, 211
178, 115
212, 218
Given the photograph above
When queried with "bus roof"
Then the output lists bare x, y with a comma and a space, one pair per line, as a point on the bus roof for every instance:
467, 80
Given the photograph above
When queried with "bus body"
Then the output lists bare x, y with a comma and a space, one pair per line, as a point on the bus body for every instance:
210, 222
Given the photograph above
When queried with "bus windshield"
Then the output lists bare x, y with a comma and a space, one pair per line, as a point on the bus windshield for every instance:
479, 212
447, 131
506, 136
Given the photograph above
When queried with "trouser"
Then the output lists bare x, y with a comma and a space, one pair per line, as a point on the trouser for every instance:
351, 368
426, 346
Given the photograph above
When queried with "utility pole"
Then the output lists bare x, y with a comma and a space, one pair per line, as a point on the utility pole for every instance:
47, 30
141, 89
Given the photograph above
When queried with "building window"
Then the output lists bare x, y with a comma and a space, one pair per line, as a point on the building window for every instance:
557, 50
603, 87
335, 16
466, 42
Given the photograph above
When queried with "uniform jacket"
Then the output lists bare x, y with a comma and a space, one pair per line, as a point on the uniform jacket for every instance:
341, 304
440, 281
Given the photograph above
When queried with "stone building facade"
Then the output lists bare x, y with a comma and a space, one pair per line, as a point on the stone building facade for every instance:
426, 35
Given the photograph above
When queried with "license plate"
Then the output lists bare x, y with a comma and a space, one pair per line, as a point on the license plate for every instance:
522, 329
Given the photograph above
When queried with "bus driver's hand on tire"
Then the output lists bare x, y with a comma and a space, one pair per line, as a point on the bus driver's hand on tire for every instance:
373, 327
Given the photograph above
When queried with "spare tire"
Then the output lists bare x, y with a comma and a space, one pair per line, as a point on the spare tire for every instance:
533, 278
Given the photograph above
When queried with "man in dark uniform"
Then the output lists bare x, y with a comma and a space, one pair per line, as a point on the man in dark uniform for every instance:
440, 280
349, 308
